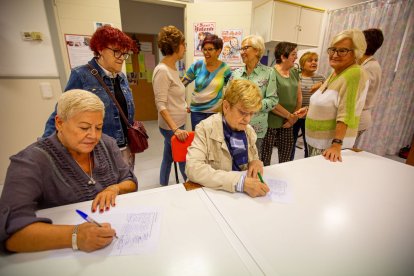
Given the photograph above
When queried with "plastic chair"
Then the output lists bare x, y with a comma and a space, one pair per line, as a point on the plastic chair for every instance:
179, 150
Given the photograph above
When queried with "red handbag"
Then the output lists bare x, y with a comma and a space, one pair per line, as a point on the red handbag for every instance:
137, 135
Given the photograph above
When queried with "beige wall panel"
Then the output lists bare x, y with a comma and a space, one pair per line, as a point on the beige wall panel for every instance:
24, 113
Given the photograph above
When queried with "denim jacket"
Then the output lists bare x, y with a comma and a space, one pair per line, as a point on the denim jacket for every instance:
81, 78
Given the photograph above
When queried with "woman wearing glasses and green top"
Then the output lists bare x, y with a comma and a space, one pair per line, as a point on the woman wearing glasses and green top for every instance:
335, 108
110, 47
210, 76
252, 49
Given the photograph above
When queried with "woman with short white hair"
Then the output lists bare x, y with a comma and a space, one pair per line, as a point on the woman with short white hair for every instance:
75, 164
335, 108
251, 51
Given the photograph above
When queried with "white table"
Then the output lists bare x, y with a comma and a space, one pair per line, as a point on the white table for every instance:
349, 218
194, 240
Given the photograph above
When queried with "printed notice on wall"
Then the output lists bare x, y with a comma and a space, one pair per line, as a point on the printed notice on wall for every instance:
231, 46
97, 25
200, 31
78, 49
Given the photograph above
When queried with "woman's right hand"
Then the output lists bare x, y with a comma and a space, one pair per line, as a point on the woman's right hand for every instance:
254, 188
181, 134
92, 237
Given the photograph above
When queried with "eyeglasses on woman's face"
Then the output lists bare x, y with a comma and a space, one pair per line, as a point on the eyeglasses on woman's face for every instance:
244, 49
118, 53
245, 114
209, 50
341, 52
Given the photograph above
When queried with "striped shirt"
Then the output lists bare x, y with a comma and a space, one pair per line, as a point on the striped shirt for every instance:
306, 84
340, 99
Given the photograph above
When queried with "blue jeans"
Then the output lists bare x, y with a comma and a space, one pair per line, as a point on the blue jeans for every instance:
300, 124
167, 158
197, 117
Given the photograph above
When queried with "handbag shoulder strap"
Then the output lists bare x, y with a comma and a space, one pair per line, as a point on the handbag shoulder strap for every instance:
95, 73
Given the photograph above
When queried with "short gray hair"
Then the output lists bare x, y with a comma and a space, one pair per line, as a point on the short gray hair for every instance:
74, 101
358, 40
256, 42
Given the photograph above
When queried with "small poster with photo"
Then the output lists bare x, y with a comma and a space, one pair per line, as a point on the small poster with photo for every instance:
231, 46
78, 49
200, 31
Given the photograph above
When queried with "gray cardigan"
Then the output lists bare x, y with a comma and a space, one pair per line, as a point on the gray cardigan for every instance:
44, 175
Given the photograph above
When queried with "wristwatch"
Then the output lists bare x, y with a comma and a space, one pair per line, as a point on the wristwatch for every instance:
337, 141
75, 238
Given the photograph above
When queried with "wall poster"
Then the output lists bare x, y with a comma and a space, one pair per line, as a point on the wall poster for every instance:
200, 31
232, 39
78, 49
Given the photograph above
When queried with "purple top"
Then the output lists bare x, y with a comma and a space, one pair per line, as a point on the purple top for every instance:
45, 175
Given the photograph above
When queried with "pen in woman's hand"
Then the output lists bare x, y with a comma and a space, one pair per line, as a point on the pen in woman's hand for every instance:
91, 220
260, 177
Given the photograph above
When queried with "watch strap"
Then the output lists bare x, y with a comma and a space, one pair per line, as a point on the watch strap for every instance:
337, 141
75, 238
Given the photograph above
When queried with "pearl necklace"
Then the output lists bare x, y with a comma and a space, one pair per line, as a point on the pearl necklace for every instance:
91, 179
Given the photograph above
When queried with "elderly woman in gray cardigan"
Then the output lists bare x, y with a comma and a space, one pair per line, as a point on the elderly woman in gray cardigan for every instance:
225, 144
78, 163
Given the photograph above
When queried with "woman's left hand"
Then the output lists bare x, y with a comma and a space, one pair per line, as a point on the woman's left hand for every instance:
333, 153
105, 199
254, 167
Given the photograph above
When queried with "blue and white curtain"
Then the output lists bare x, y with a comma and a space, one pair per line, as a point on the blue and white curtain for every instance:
393, 115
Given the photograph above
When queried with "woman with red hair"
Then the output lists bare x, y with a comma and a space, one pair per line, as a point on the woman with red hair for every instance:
111, 47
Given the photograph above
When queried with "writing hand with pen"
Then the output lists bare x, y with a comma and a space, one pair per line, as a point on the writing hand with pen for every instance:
93, 235
254, 185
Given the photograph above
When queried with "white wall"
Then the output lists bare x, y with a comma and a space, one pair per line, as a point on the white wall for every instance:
23, 58
23, 66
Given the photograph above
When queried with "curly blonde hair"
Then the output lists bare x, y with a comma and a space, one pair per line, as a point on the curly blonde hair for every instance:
169, 40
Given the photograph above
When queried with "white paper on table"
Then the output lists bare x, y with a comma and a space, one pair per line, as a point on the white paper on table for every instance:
138, 231
279, 190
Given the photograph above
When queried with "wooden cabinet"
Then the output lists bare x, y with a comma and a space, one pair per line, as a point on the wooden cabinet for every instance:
279, 21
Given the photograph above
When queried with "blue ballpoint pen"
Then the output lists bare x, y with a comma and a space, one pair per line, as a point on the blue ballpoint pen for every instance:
89, 219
